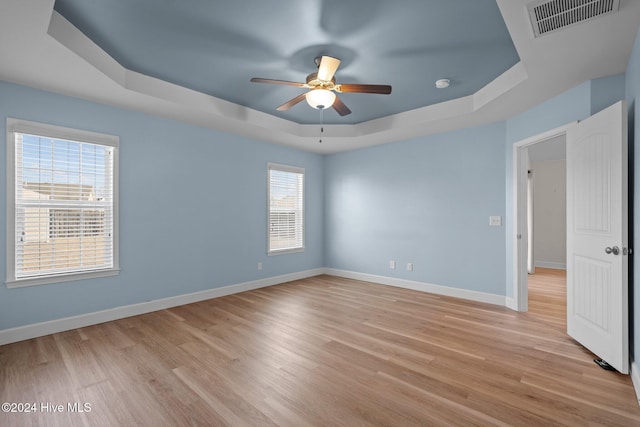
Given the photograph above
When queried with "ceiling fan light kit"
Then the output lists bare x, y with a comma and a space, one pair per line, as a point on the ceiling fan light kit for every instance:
322, 85
320, 98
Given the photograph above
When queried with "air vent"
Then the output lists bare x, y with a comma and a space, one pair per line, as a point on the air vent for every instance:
548, 16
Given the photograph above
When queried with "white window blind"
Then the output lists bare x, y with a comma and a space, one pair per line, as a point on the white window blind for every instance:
286, 209
63, 210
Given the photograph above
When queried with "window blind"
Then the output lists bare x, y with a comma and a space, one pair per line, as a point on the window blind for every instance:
64, 206
286, 209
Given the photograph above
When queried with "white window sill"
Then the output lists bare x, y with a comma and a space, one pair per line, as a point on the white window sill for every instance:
21, 283
284, 251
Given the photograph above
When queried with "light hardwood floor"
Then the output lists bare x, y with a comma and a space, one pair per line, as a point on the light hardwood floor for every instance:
322, 351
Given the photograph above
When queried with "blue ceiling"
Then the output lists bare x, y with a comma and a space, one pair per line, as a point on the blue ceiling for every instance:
215, 47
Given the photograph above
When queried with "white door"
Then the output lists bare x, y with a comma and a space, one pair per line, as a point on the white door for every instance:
597, 275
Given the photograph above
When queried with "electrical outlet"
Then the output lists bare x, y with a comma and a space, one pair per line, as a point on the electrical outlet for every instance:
409, 266
392, 264
259, 266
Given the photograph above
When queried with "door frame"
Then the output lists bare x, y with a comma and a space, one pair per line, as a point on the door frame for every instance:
520, 233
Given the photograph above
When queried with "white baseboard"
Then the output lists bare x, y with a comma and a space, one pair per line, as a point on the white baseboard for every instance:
26, 332
420, 286
635, 378
511, 303
59, 325
550, 264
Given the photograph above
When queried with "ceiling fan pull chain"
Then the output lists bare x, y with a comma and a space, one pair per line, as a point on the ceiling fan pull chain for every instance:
321, 123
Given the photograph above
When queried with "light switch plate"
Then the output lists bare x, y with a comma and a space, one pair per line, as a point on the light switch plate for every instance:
495, 221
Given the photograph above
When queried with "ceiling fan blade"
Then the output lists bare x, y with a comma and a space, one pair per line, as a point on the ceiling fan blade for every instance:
327, 68
339, 106
278, 82
291, 102
350, 87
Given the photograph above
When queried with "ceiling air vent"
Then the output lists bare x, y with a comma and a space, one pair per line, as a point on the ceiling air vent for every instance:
552, 15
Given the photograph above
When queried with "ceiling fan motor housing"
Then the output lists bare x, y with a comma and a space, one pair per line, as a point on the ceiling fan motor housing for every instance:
314, 82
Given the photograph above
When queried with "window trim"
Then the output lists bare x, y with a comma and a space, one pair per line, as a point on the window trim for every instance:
23, 126
292, 169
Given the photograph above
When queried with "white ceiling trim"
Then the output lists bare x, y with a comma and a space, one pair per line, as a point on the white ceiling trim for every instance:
98, 77
73, 39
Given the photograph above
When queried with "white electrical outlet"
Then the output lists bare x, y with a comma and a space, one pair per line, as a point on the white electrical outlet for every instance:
392, 264
409, 266
259, 266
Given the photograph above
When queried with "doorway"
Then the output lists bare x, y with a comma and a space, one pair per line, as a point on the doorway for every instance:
547, 153
547, 223
597, 239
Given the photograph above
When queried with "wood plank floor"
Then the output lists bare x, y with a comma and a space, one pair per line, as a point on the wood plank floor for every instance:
321, 351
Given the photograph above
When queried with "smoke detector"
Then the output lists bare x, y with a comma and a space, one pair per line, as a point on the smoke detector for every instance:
442, 83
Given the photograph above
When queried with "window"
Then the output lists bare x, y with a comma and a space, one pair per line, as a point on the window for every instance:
286, 209
62, 204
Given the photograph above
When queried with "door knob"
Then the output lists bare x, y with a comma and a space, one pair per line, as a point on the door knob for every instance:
614, 250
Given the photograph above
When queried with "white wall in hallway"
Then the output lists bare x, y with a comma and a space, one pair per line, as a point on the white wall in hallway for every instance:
549, 213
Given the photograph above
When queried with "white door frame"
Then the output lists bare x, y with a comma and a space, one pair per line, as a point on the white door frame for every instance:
520, 237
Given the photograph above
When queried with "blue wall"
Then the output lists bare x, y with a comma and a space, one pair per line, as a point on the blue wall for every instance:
607, 91
192, 209
193, 203
632, 96
425, 201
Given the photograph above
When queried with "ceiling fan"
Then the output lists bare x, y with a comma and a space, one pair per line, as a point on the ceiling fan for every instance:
322, 85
